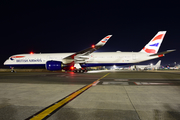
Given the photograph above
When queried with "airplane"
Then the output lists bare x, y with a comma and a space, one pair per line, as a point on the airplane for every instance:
79, 61
146, 67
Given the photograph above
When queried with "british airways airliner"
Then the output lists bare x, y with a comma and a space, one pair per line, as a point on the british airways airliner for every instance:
78, 61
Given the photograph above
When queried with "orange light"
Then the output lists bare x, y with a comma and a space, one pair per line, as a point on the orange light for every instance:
31, 53
72, 68
93, 46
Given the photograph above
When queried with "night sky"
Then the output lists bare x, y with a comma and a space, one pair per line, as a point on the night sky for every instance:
66, 26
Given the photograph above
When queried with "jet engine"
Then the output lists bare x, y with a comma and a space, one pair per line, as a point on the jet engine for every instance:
54, 65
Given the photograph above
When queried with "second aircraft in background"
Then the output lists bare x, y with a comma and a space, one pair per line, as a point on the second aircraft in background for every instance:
146, 67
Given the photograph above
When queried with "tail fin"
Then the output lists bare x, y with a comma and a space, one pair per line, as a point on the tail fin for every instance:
158, 63
153, 46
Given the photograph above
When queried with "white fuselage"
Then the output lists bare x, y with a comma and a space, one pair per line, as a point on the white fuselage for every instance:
94, 59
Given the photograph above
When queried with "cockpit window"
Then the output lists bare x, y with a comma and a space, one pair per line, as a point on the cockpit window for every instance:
11, 58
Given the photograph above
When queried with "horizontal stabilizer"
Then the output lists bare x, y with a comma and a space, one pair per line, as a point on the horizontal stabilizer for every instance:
162, 53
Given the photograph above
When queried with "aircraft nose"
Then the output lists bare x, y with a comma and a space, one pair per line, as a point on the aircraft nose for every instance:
5, 63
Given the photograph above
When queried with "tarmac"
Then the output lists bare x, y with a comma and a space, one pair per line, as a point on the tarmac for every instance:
115, 95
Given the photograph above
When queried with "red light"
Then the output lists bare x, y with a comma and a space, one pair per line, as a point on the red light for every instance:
93, 46
31, 53
72, 68
161, 55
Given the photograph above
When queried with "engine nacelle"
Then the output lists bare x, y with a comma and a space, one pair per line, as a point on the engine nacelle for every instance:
54, 65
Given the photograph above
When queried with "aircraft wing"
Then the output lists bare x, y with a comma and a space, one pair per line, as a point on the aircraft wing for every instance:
83, 54
162, 53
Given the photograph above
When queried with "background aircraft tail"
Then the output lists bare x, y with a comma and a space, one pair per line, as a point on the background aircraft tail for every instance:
153, 46
158, 63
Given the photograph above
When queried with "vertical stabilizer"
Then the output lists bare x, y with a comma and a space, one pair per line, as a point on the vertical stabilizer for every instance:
153, 46
158, 63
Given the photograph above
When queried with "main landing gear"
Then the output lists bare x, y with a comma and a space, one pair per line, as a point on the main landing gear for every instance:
79, 70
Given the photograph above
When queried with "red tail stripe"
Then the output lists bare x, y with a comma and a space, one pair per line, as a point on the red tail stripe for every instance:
149, 50
158, 37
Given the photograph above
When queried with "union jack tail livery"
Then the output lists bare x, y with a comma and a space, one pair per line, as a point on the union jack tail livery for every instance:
153, 46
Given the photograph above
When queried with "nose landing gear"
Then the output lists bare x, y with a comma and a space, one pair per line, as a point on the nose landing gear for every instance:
12, 69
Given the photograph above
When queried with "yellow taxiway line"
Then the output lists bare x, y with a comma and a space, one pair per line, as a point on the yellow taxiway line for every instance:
45, 113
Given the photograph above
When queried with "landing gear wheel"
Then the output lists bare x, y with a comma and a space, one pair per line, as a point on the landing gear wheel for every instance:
80, 71
12, 69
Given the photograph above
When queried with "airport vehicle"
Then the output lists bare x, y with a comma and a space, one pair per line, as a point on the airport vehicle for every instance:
146, 67
78, 61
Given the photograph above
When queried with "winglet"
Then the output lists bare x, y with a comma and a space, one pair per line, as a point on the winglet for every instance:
103, 41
